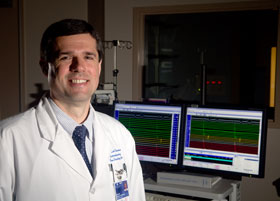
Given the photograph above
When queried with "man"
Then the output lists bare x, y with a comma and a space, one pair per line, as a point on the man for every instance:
63, 150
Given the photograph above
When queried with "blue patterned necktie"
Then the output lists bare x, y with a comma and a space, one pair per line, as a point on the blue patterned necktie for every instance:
79, 137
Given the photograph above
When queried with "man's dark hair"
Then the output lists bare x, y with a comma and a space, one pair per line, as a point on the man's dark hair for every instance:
65, 27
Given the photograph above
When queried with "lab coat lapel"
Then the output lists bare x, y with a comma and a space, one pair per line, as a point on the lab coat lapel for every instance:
61, 143
102, 150
64, 147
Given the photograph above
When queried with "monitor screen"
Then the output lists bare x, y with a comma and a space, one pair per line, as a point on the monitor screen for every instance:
155, 128
225, 140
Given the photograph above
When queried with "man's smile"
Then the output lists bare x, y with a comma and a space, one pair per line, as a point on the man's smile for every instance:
78, 81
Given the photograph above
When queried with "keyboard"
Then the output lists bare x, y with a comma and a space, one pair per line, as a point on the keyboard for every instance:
158, 197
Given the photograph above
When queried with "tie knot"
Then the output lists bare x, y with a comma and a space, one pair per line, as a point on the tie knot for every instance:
80, 132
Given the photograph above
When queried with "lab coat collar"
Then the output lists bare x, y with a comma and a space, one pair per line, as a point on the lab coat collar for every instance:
47, 121
61, 143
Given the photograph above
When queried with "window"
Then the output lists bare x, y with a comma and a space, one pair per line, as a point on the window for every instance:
234, 44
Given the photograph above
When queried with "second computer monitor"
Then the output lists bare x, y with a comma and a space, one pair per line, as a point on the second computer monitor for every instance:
225, 140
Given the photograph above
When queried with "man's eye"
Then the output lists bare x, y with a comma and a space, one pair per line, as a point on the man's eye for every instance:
89, 57
62, 58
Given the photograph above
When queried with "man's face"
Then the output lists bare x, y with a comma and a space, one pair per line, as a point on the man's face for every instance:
74, 74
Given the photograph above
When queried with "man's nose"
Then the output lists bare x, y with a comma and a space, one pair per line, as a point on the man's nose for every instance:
77, 64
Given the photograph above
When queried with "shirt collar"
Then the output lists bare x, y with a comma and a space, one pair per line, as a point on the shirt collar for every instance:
68, 123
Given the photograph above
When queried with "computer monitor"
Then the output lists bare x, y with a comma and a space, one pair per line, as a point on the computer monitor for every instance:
225, 141
155, 128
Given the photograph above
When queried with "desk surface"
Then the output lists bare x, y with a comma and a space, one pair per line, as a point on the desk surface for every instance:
219, 191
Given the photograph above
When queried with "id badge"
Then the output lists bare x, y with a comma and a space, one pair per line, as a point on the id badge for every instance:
121, 189
119, 171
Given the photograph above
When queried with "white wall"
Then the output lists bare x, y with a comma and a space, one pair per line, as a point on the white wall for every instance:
119, 26
37, 15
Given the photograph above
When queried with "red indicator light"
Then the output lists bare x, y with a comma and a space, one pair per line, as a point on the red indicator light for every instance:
219, 82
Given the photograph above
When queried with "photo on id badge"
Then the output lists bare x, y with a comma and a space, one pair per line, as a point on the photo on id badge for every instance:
119, 171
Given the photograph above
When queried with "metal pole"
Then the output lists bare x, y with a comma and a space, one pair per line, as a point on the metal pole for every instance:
115, 70
203, 78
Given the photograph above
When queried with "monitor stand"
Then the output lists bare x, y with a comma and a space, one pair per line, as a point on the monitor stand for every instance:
187, 179
222, 190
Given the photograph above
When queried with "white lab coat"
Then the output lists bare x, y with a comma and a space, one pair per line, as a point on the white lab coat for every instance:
39, 161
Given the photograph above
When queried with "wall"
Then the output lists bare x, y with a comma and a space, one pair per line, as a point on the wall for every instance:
262, 189
37, 15
119, 26
9, 55
96, 18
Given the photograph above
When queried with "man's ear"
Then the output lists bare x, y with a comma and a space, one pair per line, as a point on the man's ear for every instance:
44, 67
